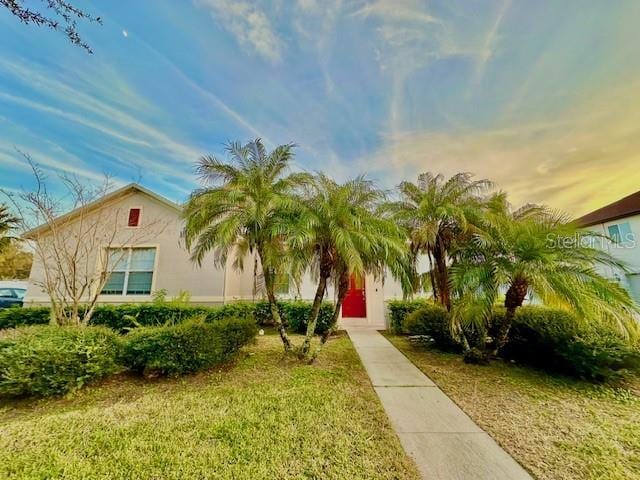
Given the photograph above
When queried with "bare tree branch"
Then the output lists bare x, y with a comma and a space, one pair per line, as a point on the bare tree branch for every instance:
64, 17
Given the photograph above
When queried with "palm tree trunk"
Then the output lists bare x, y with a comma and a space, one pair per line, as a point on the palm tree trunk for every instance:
343, 287
442, 274
513, 300
269, 280
432, 277
315, 311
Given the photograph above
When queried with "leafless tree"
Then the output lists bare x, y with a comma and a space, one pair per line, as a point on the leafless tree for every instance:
60, 15
77, 251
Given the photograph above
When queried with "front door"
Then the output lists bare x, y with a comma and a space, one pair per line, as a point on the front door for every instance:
354, 304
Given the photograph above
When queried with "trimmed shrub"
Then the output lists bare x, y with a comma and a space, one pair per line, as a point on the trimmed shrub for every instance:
18, 316
294, 314
399, 309
124, 317
556, 340
50, 360
186, 347
433, 321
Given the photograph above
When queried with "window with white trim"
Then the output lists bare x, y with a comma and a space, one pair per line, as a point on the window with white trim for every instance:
131, 271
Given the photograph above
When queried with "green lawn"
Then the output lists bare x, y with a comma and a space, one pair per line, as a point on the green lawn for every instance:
556, 427
264, 417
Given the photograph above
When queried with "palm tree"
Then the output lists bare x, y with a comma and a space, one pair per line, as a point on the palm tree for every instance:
436, 213
535, 251
341, 234
243, 208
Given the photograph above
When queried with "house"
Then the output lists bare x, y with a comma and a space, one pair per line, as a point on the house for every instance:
620, 221
143, 230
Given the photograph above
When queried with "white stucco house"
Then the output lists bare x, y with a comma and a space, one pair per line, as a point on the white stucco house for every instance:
620, 221
152, 259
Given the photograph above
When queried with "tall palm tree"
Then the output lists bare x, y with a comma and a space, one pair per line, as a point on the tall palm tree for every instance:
243, 209
342, 234
532, 250
435, 213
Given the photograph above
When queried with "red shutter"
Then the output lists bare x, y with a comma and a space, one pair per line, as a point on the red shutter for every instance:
134, 217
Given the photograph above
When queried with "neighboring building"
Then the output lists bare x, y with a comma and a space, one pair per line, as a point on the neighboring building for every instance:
161, 262
620, 221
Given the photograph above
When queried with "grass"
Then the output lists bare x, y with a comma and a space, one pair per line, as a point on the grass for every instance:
558, 428
264, 417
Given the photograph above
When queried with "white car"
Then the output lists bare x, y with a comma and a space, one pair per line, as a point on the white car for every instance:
12, 293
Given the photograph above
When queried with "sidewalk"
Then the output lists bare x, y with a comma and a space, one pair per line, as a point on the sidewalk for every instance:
443, 441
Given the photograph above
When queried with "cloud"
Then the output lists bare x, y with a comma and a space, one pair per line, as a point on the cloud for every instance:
584, 159
125, 34
397, 10
250, 25
62, 161
488, 45
92, 112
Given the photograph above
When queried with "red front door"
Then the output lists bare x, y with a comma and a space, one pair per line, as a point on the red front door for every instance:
354, 304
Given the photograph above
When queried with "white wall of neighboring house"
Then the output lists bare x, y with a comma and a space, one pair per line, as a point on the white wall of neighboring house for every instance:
628, 251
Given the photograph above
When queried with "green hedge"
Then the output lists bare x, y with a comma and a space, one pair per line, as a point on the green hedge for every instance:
124, 317
295, 315
186, 347
556, 340
17, 316
49, 360
398, 311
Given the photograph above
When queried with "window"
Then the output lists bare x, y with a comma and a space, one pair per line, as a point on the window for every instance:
134, 217
620, 232
281, 284
131, 271
633, 280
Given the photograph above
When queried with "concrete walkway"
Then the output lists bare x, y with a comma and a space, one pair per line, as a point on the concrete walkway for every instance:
444, 442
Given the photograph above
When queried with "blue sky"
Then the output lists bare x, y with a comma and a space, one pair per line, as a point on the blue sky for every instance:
540, 96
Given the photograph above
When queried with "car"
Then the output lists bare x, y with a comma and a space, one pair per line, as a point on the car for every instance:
12, 293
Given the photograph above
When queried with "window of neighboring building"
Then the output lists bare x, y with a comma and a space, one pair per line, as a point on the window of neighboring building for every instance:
620, 232
633, 280
134, 217
281, 284
131, 271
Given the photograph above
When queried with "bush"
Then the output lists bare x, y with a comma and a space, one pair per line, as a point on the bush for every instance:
294, 314
399, 309
50, 360
557, 341
124, 317
186, 347
433, 321
18, 316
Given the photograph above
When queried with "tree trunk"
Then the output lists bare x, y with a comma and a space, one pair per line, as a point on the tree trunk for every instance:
432, 277
442, 274
343, 287
315, 311
513, 300
269, 281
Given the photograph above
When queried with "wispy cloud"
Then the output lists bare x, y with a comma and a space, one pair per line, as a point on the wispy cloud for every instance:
249, 24
397, 10
489, 44
569, 162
